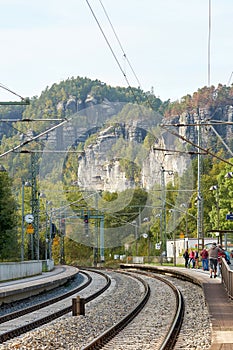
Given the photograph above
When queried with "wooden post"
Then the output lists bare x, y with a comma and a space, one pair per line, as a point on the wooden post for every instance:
78, 306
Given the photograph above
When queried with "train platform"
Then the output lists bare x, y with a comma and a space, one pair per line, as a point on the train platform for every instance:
26, 287
220, 308
219, 304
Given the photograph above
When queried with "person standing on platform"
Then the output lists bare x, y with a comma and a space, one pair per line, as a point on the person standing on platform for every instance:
204, 259
192, 259
186, 257
196, 257
213, 259
221, 254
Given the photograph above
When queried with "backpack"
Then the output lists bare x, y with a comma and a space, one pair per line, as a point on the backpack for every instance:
227, 257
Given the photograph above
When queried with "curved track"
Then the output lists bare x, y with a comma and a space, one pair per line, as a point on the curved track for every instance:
113, 336
29, 324
152, 321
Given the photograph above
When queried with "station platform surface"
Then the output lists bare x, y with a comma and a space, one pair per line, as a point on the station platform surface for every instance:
219, 304
21, 288
220, 308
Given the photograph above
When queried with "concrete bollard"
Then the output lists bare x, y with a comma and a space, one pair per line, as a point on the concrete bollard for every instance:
78, 306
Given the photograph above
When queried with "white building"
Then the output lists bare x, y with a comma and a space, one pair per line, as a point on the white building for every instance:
184, 243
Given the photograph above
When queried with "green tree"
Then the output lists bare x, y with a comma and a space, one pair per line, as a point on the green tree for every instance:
9, 248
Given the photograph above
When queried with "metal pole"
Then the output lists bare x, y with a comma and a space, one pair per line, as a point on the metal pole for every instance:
164, 239
218, 214
174, 237
35, 204
138, 229
46, 228
62, 222
225, 241
161, 226
216, 188
50, 234
22, 231
37, 226
102, 239
148, 247
96, 232
199, 196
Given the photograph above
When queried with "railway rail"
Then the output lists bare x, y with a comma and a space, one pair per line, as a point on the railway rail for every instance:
122, 323
113, 337
110, 325
5, 321
27, 310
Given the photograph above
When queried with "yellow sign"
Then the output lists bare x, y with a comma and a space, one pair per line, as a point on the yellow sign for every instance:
30, 228
181, 235
56, 241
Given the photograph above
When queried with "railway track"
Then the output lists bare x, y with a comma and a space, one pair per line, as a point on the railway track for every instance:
195, 329
118, 320
123, 335
27, 310
24, 320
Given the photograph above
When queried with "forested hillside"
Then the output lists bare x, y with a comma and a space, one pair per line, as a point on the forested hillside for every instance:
210, 98
120, 155
72, 95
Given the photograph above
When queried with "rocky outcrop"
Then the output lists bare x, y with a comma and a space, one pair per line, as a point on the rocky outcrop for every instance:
114, 157
101, 167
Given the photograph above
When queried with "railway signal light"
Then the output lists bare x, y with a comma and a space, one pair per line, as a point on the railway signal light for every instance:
86, 219
53, 230
63, 226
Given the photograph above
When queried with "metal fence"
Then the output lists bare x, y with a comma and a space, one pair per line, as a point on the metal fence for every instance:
227, 278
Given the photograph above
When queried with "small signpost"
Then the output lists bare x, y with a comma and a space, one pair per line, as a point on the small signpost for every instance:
30, 229
229, 216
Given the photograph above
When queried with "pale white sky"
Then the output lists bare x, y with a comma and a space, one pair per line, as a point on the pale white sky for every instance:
166, 41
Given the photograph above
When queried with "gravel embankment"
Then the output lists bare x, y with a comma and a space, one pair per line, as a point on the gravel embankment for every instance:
73, 333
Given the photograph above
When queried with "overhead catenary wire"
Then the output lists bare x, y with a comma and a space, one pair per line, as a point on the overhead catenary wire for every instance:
115, 57
22, 133
108, 43
213, 122
33, 138
31, 120
12, 92
176, 151
211, 125
49, 151
207, 151
228, 83
29, 138
119, 42
221, 139
209, 42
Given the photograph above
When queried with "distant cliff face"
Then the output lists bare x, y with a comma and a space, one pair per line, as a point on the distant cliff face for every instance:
117, 157
103, 168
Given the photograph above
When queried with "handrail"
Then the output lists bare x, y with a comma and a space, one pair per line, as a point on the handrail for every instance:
227, 278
